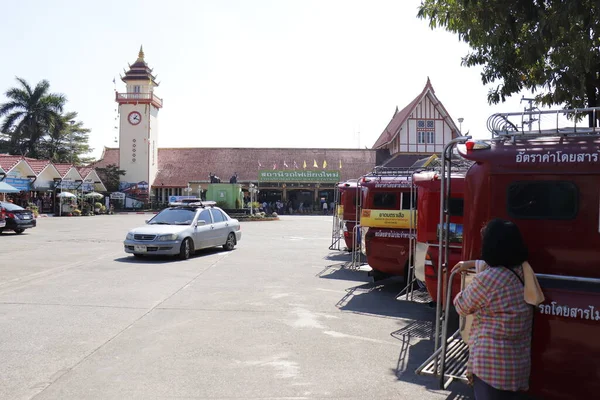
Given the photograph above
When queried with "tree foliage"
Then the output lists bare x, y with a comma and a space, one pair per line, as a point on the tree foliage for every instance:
110, 176
35, 126
550, 47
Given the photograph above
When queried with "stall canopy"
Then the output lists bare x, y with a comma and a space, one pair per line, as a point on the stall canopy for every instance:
6, 188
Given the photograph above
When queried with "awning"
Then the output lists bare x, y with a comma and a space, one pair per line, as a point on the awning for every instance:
6, 188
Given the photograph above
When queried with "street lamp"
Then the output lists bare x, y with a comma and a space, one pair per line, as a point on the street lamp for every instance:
460, 121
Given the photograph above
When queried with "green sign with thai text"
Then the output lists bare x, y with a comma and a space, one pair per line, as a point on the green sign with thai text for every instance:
298, 176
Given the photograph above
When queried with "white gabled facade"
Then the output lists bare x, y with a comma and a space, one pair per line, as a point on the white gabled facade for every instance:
423, 126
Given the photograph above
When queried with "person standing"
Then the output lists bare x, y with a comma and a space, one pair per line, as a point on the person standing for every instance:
500, 337
324, 208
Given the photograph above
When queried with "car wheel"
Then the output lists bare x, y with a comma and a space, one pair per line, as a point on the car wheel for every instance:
19, 231
186, 250
138, 255
230, 243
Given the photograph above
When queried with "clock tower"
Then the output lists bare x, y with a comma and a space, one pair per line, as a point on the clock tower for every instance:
138, 128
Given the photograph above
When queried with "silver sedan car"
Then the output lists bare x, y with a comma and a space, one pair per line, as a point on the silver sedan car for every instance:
182, 229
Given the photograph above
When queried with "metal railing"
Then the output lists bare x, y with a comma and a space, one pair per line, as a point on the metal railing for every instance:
139, 96
514, 124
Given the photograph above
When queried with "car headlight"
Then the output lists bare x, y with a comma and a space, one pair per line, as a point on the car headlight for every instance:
165, 238
129, 236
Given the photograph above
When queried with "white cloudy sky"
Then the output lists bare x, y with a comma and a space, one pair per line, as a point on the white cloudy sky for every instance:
255, 73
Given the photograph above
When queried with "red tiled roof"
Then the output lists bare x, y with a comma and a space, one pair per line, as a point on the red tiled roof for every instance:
63, 169
8, 162
110, 155
178, 166
84, 171
399, 118
38, 165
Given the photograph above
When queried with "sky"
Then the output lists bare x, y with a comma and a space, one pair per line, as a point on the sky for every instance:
256, 73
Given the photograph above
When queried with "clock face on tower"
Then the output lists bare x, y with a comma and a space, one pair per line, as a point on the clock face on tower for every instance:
134, 118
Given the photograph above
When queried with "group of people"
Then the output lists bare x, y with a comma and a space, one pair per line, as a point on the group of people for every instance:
288, 207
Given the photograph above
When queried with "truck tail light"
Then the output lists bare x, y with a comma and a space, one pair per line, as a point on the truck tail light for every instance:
429, 269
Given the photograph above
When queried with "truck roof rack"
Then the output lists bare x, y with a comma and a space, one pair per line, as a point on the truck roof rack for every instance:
523, 124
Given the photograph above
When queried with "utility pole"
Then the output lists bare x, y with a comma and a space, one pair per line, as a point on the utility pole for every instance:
529, 112
72, 122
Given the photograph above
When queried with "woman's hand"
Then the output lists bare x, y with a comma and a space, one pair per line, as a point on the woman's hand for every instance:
464, 266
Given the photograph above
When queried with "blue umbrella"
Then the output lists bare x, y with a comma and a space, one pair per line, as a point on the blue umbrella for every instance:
6, 188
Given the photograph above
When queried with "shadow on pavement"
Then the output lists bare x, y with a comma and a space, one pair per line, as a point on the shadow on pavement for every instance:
379, 299
342, 272
131, 259
338, 256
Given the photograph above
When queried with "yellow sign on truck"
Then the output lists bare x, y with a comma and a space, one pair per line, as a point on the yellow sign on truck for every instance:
399, 219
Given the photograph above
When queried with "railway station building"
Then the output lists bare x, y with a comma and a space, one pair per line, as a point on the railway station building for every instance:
299, 175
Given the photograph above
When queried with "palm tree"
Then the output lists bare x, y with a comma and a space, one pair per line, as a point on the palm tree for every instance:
29, 115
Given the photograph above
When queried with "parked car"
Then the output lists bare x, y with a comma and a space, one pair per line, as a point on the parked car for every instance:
16, 218
181, 230
2, 218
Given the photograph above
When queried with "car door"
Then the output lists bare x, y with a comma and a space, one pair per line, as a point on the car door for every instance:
204, 232
221, 226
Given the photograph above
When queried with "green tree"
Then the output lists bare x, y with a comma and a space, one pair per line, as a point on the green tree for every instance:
110, 175
550, 47
66, 141
29, 115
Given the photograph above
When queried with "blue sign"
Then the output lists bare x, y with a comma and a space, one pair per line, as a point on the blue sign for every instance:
17, 183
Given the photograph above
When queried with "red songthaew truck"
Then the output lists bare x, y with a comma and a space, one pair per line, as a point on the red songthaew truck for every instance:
347, 211
387, 222
428, 185
546, 182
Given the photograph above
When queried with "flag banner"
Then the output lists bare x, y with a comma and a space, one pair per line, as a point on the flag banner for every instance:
315, 164
324, 164
295, 165
304, 164
259, 165
340, 164
274, 166
285, 164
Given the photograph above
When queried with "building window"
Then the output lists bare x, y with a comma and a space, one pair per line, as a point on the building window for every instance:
542, 200
426, 131
426, 137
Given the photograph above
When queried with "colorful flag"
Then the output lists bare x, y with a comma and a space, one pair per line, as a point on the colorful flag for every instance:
259, 165
315, 164
274, 166
295, 165
324, 164
304, 164
114, 81
285, 164
340, 164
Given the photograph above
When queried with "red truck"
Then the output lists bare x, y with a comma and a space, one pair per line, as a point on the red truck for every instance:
388, 222
428, 227
347, 211
546, 182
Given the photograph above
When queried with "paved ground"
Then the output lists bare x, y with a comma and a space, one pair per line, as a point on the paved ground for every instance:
278, 318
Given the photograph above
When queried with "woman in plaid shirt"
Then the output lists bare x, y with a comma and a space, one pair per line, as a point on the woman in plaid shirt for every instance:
500, 338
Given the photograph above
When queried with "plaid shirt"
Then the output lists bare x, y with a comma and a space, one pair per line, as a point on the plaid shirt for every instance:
500, 338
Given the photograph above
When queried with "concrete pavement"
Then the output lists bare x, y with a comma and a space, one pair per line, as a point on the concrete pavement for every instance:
277, 318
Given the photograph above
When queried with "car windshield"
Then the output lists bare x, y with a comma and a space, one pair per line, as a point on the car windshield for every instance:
10, 206
174, 216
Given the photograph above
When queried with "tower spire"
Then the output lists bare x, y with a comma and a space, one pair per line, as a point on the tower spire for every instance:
141, 54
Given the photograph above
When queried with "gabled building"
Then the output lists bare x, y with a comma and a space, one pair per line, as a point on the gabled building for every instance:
420, 129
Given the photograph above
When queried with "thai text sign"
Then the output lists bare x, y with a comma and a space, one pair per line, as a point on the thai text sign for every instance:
18, 183
398, 219
298, 176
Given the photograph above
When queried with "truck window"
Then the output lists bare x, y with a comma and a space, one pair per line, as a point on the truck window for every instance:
406, 200
542, 200
456, 207
385, 201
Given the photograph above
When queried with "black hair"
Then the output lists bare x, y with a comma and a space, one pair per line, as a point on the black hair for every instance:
502, 244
